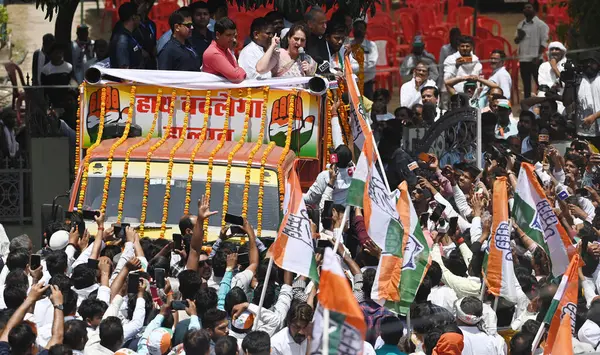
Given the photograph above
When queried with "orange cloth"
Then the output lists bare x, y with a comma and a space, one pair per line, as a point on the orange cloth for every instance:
449, 344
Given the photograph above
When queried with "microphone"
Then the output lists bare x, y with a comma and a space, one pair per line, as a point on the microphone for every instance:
302, 54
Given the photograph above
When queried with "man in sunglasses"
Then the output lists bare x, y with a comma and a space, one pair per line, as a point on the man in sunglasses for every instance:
178, 53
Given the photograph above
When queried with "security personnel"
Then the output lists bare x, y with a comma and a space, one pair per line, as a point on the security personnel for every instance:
178, 53
125, 50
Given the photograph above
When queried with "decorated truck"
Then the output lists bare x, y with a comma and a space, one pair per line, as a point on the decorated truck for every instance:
151, 143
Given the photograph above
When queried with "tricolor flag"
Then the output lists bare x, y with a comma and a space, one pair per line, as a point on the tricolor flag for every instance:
347, 327
293, 249
499, 271
416, 259
535, 216
562, 312
357, 110
368, 191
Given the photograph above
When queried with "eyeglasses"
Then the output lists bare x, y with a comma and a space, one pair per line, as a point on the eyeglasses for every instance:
189, 25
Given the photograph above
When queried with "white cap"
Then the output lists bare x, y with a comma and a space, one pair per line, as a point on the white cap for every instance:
59, 240
557, 45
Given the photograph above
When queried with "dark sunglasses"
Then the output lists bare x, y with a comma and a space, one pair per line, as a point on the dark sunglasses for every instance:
189, 25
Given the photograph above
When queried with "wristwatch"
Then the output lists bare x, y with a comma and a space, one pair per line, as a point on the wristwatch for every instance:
60, 307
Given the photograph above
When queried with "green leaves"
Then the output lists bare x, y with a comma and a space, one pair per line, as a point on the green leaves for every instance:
293, 8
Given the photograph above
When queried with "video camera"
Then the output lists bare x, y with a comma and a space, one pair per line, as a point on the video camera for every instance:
571, 71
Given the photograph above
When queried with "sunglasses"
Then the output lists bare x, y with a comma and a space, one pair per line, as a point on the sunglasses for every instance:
189, 25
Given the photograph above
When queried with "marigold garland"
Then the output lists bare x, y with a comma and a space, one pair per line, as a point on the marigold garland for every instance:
237, 147
78, 128
329, 137
259, 143
182, 138
111, 151
128, 156
288, 140
164, 137
261, 187
86, 160
188, 185
359, 54
342, 115
214, 152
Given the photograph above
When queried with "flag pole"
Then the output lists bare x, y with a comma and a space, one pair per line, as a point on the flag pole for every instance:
263, 293
325, 331
496, 303
538, 337
408, 327
483, 288
341, 229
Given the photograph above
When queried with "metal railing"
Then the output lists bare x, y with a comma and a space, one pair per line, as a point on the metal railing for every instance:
15, 190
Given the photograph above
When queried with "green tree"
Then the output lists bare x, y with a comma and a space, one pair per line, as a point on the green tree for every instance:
584, 28
65, 10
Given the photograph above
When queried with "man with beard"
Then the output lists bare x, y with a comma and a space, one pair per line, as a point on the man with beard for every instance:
588, 98
410, 92
500, 75
291, 340
549, 72
462, 63
419, 54
262, 40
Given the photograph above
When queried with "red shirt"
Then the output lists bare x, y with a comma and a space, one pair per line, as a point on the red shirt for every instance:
222, 62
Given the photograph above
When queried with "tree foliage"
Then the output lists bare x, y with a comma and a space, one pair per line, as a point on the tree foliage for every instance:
291, 8
583, 31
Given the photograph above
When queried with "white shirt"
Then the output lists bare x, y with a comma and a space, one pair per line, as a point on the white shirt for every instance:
410, 95
371, 58
478, 342
249, 56
241, 280
536, 36
588, 97
502, 78
451, 71
272, 320
443, 296
509, 131
283, 344
547, 76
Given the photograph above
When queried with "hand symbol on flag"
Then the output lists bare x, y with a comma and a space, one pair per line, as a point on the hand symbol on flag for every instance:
112, 114
303, 126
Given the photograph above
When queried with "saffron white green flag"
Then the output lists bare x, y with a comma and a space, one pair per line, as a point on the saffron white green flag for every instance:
346, 328
293, 249
535, 216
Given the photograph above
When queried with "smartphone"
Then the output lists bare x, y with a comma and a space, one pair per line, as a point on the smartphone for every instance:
159, 278
237, 230
424, 157
179, 305
177, 241
333, 158
119, 229
324, 243
452, 226
467, 59
314, 215
437, 212
582, 192
81, 228
35, 261
233, 219
93, 264
328, 208
91, 215
133, 281
243, 259
424, 219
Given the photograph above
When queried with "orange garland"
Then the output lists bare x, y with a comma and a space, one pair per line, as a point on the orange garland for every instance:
232, 154
188, 185
359, 54
78, 128
86, 160
329, 137
182, 138
342, 116
288, 140
261, 187
128, 156
111, 151
211, 158
149, 158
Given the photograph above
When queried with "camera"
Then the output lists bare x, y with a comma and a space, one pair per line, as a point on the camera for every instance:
571, 71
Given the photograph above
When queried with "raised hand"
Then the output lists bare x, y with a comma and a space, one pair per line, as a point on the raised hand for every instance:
204, 211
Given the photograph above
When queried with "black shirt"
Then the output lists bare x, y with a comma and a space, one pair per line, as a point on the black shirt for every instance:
146, 36
178, 56
201, 42
125, 50
316, 47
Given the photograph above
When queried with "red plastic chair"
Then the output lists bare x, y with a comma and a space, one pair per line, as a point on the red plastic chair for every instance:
409, 30
454, 4
458, 15
433, 45
414, 13
490, 24
162, 26
387, 69
428, 17
163, 10
484, 50
482, 33
110, 7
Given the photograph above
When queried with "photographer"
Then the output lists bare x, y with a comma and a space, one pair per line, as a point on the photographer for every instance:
586, 95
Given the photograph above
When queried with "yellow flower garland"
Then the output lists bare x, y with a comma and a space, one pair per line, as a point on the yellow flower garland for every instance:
182, 138
261, 188
188, 186
237, 147
259, 143
329, 137
359, 54
164, 137
78, 128
128, 155
342, 117
288, 140
111, 151
86, 160
214, 152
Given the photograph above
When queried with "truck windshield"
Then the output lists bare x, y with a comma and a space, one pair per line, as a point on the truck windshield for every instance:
132, 207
